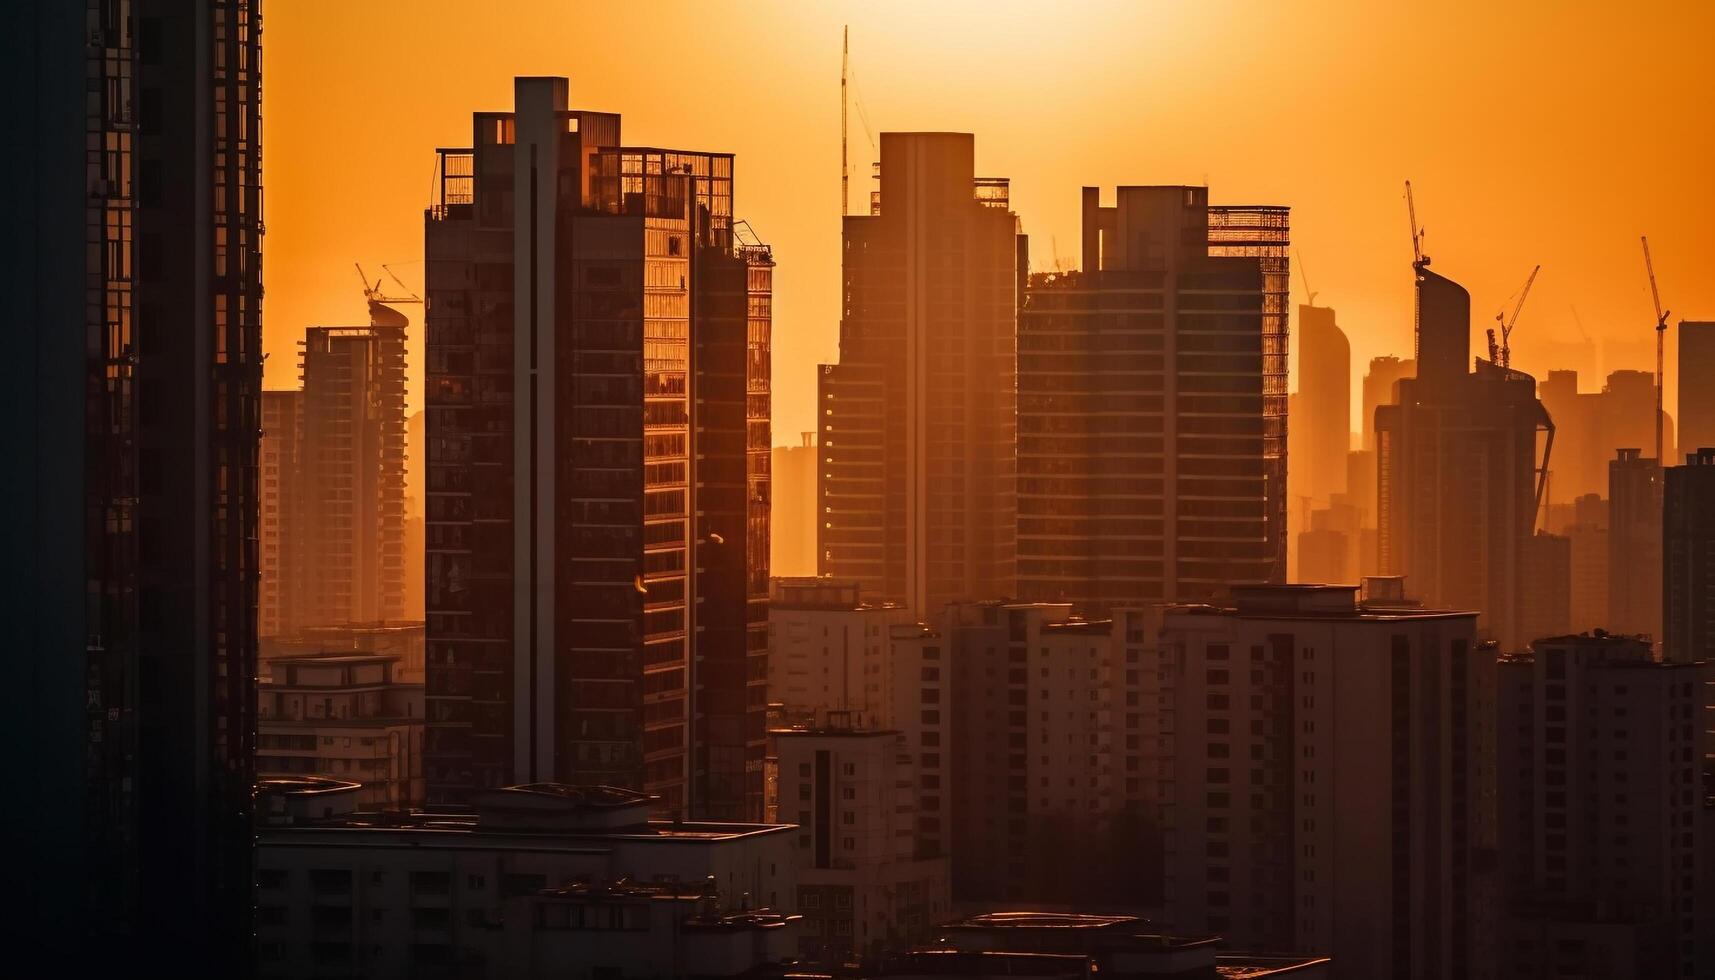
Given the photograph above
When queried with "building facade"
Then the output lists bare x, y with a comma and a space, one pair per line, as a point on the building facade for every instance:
1688, 560
137, 293
1152, 405
916, 489
347, 717
1326, 780
1322, 416
1696, 400
597, 516
792, 523
830, 649
1458, 481
280, 587
1634, 544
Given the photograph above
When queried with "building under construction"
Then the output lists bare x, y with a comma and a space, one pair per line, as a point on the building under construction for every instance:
1152, 405
1458, 475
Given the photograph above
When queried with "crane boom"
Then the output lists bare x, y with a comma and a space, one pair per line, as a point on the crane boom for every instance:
1505, 352
1660, 334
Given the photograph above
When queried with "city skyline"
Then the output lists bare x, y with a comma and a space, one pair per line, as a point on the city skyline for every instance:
1535, 118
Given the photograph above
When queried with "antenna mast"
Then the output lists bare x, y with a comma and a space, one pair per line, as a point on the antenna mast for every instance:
845, 168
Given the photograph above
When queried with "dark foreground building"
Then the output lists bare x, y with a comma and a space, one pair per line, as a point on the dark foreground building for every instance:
597, 525
133, 311
1152, 405
1688, 560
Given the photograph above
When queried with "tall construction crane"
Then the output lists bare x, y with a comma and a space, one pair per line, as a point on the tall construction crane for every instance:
1310, 294
1660, 336
374, 294
1418, 259
1502, 354
845, 171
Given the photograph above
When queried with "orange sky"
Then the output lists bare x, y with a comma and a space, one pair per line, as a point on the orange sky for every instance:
1532, 132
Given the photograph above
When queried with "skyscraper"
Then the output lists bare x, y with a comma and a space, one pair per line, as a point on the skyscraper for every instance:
1327, 764
1688, 560
793, 523
916, 489
135, 415
280, 566
598, 367
1696, 395
1458, 483
1381, 386
1152, 405
1322, 419
349, 533
1634, 544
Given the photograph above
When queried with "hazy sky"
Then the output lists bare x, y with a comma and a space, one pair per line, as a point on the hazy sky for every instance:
1532, 132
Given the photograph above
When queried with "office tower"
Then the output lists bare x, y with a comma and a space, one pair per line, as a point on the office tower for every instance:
1040, 701
830, 650
1590, 426
415, 494
1458, 483
597, 465
1545, 604
1605, 837
1322, 419
1361, 494
1327, 774
792, 525
1634, 544
350, 531
916, 489
1381, 387
1588, 535
280, 583
1696, 414
1152, 405
862, 881
135, 411
1329, 550
1688, 560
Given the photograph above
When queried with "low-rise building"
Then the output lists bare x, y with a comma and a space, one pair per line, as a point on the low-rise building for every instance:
428, 894
828, 648
346, 716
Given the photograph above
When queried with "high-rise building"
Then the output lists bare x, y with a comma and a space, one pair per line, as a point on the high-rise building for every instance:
135, 277
1688, 560
1381, 387
863, 881
415, 494
1326, 779
1589, 427
1588, 537
1696, 415
1321, 431
597, 376
830, 650
1545, 604
1605, 836
916, 488
1458, 483
350, 522
1634, 544
1152, 405
280, 582
792, 522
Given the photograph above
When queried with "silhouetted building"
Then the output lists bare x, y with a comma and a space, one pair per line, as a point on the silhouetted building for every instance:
916, 489
792, 523
597, 379
865, 887
1048, 742
350, 530
1605, 834
404, 641
1589, 427
281, 590
134, 297
1634, 544
1458, 482
1696, 394
1381, 387
1326, 778
347, 716
1688, 560
1152, 405
416, 448
1322, 419
1545, 605
1588, 537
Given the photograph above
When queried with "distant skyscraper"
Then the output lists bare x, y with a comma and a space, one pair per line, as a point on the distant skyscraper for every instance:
134, 281
792, 524
1688, 560
1588, 538
349, 534
1545, 604
916, 491
1605, 839
416, 445
1590, 426
1457, 471
598, 365
1696, 414
1634, 545
1152, 405
1380, 388
280, 566
1322, 420
1326, 779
